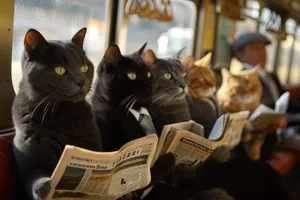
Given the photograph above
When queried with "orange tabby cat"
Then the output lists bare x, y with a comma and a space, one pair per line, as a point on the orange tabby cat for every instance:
202, 78
240, 91
203, 106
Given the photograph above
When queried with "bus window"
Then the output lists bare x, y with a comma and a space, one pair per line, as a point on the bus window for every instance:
163, 37
295, 68
59, 20
285, 51
271, 48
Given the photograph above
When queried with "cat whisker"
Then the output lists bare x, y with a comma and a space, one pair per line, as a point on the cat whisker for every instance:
45, 99
190, 98
126, 99
133, 102
54, 108
48, 106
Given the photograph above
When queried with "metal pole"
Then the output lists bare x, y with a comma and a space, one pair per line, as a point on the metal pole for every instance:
216, 31
277, 56
112, 15
291, 59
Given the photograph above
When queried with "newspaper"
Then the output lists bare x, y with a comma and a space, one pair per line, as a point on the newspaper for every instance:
83, 174
264, 116
186, 141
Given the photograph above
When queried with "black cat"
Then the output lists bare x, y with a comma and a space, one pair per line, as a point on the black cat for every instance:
123, 92
170, 89
123, 87
50, 110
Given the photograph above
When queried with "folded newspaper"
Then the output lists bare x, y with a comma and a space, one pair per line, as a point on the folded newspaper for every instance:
84, 174
264, 116
186, 141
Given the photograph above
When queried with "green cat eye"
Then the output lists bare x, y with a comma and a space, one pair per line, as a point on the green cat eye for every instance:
84, 68
149, 75
168, 76
60, 70
131, 75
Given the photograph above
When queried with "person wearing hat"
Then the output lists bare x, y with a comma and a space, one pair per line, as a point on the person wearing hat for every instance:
250, 49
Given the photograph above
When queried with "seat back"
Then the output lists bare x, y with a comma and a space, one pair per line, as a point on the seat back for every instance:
6, 166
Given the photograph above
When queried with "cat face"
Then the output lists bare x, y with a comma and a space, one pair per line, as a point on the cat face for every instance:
241, 91
170, 79
56, 70
126, 79
202, 78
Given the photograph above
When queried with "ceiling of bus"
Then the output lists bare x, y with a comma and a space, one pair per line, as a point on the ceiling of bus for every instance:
288, 8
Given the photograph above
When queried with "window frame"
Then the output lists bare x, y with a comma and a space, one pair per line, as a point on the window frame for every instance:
6, 87
122, 21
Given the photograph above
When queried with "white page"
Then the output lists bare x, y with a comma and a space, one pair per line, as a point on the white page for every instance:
282, 103
217, 131
281, 106
259, 110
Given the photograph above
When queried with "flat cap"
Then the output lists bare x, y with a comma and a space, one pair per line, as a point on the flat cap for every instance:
249, 38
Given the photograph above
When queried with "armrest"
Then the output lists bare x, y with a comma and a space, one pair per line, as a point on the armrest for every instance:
282, 161
6, 166
294, 92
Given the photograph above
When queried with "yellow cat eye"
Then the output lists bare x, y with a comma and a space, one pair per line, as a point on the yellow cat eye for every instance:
84, 68
60, 70
149, 75
131, 75
184, 75
168, 76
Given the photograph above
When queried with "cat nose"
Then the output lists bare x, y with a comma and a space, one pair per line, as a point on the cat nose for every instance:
181, 84
80, 83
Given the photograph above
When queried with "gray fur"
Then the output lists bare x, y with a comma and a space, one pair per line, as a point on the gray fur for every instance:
168, 100
50, 110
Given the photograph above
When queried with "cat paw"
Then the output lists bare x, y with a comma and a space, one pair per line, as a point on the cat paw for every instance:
41, 188
185, 172
221, 154
164, 166
216, 194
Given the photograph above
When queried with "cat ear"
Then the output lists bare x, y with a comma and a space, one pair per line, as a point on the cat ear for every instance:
150, 57
188, 62
141, 50
225, 73
204, 61
180, 53
256, 69
34, 43
78, 38
112, 54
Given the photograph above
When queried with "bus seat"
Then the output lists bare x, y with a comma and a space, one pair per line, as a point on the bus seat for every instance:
294, 92
6, 166
282, 161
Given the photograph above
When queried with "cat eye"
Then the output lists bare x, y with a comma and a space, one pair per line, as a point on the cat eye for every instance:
84, 68
168, 76
131, 75
149, 75
60, 70
184, 75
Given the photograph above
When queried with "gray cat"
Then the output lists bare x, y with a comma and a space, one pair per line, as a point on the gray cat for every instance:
50, 110
170, 87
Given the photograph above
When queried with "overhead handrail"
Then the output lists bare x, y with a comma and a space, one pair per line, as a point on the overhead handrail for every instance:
162, 11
